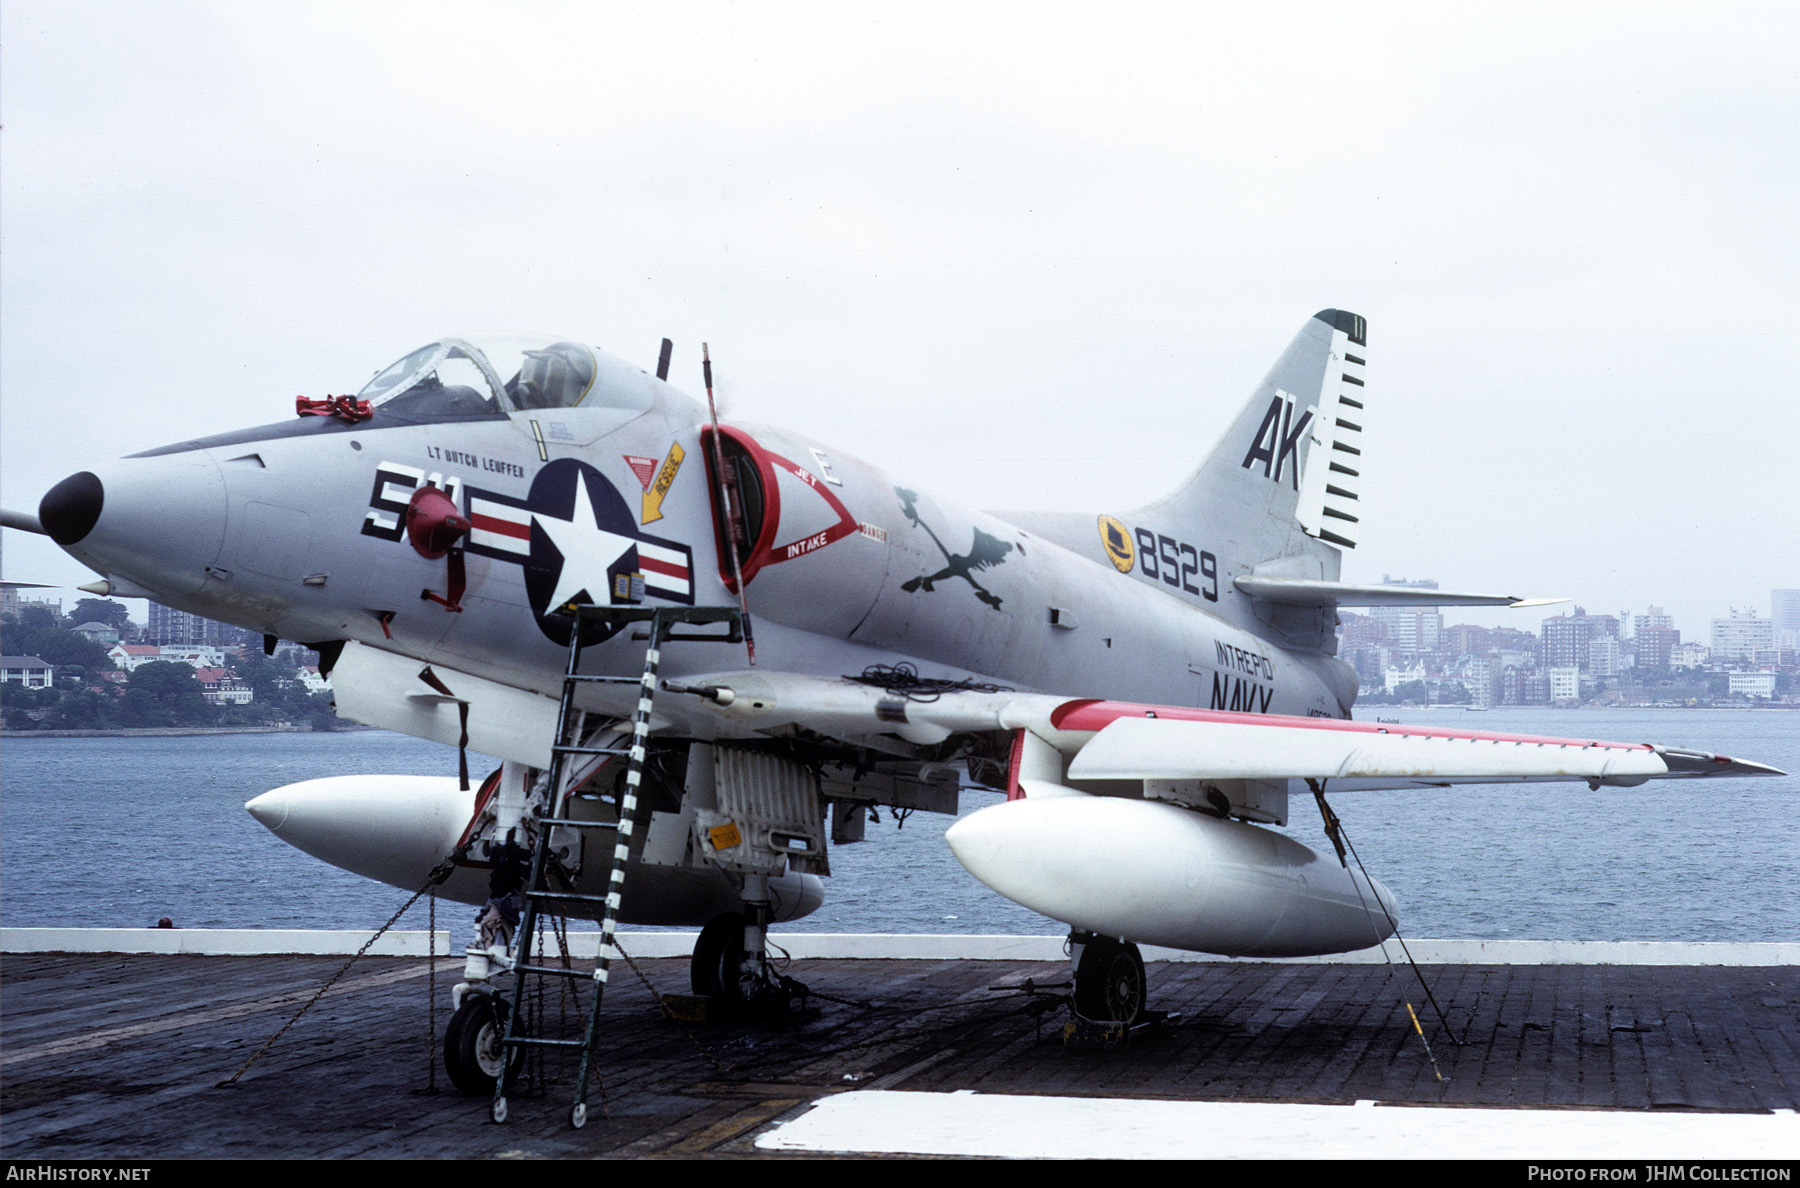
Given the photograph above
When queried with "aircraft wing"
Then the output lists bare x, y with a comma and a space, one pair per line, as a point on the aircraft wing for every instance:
1136, 822
1174, 743
1106, 740
1380, 756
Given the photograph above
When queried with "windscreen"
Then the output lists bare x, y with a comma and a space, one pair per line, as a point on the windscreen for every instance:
448, 378
490, 373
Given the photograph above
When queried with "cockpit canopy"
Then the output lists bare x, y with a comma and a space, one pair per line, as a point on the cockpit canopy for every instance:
500, 373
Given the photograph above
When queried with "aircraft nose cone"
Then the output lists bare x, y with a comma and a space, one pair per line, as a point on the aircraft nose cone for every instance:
71, 508
156, 522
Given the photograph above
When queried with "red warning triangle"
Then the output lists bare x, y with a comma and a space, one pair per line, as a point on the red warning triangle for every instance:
644, 468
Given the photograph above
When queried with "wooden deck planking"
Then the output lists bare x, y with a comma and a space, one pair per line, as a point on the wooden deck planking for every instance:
111, 1056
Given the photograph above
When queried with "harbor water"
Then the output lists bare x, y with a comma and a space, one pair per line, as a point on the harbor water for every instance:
117, 832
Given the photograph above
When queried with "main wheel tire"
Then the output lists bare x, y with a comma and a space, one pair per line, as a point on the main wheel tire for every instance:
1109, 981
717, 966
472, 1045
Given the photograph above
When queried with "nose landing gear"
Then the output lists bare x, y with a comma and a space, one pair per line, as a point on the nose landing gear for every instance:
472, 1049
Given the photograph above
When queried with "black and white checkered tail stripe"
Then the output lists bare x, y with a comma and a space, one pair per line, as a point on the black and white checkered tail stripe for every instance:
634, 773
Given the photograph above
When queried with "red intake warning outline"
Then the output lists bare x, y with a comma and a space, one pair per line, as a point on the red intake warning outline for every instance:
846, 523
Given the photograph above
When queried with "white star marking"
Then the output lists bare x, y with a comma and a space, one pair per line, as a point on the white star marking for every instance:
588, 551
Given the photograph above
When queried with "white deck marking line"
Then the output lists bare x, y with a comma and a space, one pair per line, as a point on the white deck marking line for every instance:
1008, 1126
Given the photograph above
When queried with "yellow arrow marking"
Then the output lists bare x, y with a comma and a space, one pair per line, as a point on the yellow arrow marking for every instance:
665, 478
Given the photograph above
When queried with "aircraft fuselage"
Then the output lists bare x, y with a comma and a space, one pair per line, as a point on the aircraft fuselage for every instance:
298, 531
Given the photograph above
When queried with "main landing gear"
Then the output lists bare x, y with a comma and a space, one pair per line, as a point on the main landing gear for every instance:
730, 966
734, 976
718, 970
1107, 1011
1109, 979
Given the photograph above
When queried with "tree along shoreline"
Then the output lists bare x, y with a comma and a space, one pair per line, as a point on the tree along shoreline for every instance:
179, 731
91, 697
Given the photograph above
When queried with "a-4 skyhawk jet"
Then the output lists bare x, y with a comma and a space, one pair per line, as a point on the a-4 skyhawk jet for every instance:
1149, 687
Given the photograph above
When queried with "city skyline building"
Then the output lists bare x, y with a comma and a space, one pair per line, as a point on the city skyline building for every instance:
1567, 638
171, 627
1630, 657
1654, 647
1412, 631
1606, 657
1744, 637
1784, 610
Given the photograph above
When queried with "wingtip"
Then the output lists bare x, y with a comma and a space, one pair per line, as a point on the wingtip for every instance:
1705, 763
1746, 767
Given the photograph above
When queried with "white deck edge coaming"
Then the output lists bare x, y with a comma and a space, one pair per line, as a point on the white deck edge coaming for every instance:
251, 942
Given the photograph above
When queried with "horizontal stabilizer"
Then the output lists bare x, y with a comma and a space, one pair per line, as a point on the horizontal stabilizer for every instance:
1161, 748
1304, 592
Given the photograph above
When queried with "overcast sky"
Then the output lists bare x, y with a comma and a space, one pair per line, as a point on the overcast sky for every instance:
1027, 255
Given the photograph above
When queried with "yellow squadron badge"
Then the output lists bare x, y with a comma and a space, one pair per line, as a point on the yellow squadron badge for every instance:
1117, 540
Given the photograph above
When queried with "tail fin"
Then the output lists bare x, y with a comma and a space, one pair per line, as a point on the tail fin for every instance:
1277, 497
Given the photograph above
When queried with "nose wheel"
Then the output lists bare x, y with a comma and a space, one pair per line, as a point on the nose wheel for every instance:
473, 1055
1109, 980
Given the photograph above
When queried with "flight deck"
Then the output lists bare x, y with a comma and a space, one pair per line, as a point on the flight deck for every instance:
119, 1056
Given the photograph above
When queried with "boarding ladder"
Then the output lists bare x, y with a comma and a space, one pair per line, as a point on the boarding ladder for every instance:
568, 748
